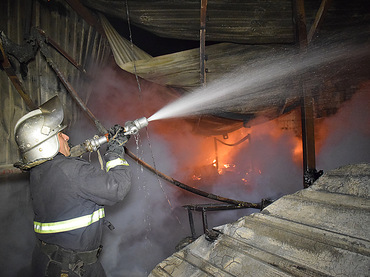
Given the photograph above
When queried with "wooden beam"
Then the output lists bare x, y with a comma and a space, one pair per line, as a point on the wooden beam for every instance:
307, 104
300, 21
202, 39
308, 136
325, 4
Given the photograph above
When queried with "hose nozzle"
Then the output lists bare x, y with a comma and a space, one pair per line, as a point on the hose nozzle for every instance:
133, 127
90, 145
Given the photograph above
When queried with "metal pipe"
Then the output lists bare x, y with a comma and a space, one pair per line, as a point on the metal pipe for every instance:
212, 207
205, 222
191, 222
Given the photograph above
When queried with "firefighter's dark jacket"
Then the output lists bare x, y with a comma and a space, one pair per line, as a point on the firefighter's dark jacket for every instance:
65, 188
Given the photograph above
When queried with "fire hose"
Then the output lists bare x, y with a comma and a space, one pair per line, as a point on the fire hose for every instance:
192, 189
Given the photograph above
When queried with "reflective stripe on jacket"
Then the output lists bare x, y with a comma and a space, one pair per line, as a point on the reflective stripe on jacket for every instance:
113, 163
68, 225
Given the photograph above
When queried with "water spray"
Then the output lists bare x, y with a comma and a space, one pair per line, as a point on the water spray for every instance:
91, 145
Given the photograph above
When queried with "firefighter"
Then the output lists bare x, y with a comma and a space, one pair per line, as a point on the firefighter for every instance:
68, 194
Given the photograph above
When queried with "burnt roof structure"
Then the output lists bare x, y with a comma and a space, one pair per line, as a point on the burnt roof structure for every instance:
229, 37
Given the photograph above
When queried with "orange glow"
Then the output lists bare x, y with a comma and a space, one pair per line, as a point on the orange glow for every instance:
208, 158
202, 160
298, 150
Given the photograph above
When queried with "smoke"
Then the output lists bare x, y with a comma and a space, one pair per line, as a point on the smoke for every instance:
148, 222
151, 221
344, 138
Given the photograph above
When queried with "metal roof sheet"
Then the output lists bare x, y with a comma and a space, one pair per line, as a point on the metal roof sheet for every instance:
323, 230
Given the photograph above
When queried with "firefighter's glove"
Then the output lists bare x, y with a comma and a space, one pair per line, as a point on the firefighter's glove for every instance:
117, 140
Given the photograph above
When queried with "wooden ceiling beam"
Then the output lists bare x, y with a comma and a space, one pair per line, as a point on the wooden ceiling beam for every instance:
300, 21
325, 4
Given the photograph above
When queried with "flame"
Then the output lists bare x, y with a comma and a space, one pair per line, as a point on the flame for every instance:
204, 160
226, 168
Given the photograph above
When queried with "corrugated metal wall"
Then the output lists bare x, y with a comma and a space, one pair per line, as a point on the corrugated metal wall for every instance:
72, 34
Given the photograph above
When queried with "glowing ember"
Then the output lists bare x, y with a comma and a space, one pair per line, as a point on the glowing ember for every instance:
214, 163
196, 178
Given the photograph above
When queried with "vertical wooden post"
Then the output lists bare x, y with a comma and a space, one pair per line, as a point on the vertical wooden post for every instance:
307, 108
202, 38
308, 137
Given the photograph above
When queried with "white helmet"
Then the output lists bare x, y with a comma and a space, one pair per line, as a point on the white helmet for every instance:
36, 133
